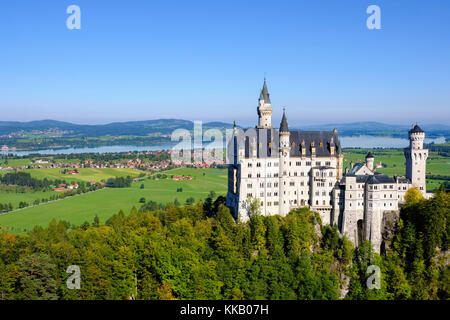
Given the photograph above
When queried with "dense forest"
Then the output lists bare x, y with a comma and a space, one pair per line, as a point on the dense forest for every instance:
199, 252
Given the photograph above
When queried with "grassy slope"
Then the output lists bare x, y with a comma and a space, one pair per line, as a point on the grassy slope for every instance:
107, 202
86, 174
15, 197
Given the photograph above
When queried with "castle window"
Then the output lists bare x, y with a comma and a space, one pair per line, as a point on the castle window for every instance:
249, 195
275, 164
328, 163
249, 175
249, 185
331, 173
317, 163
269, 194
275, 203
275, 194
317, 202
308, 163
261, 185
275, 175
291, 183
258, 164
269, 164
275, 184
249, 164
298, 163
302, 183
261, 194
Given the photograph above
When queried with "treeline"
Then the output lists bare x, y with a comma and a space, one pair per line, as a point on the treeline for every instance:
199, 252
443, 150
119, 182
24, 179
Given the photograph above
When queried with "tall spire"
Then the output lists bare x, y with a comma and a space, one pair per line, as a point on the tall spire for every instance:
264, 93
284, 125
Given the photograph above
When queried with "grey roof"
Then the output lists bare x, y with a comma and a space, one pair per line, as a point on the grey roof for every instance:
284, 125
355, 168
374, 179
264, 93
416, 129
322, 141
369, 155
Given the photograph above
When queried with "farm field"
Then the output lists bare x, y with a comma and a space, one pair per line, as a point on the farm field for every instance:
16, 197
86, 174
106, 202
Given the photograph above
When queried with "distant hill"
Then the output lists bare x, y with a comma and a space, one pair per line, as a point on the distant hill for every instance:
166, 126
137, 128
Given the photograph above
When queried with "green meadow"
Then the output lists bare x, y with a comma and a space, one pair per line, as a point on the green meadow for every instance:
106, 202
86, 174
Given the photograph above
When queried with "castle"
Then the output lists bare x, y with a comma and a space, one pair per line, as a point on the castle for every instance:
283, 170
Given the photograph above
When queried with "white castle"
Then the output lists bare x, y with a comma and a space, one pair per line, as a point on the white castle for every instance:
286, 169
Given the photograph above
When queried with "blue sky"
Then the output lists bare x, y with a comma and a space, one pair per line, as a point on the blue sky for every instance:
206, 60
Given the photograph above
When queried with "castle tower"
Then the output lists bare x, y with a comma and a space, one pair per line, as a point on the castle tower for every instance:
264, 109
285, 150
369, 160
416, 158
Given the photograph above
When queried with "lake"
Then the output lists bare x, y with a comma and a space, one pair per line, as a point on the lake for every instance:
346, 142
